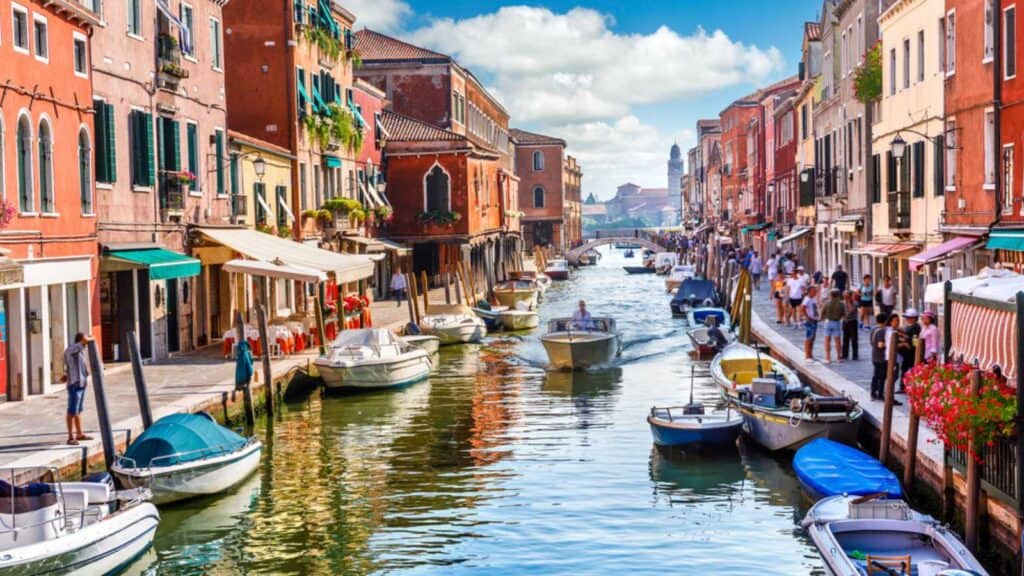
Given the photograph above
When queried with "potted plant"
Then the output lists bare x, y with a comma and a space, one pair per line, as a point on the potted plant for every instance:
385, 214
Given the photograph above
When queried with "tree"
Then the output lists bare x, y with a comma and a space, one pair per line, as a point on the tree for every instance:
867, 78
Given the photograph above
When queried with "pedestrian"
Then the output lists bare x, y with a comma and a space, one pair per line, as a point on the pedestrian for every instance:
892, 336
833, 313
886, 296
76, 376
929, 336
809, 309
840, 279
398, 286
908, 336
795, 296
867, 303
756, 267
772, 266
778, 289
788, 264
879, 361
851, 336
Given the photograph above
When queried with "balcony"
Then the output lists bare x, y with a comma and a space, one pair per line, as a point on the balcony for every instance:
172, 195
169, 68
239, 205
899, 211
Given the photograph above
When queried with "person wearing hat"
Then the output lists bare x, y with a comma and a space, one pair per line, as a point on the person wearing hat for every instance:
833, 312
76, 375
929, 336
907, 342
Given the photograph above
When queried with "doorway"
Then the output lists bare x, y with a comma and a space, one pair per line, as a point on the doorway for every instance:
173, 334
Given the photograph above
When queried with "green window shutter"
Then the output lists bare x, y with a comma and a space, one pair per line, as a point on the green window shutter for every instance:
192, 141
161, 148
175, 158
219, 135
110, 144
147, 130
99, 138
135, 129
233, 173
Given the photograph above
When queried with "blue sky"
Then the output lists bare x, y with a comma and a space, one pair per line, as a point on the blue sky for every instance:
620, 81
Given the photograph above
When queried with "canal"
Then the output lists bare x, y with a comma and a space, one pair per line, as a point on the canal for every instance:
496, 466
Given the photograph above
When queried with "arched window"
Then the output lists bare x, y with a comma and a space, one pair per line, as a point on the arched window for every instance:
438, 188
538, 197
24, 144
85, 170
45, 168
538, 161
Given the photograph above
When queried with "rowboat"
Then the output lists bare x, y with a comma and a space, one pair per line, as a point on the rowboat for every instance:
826, 468
694, 292
680, 426
557, 270
737, 365
862, 535
52, 527
678, 274
453, 324
572, 347
184, 456
514, 292
371, 358
699, 315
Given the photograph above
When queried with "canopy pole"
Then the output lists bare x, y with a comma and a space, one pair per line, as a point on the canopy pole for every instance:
268, 378
1019, 447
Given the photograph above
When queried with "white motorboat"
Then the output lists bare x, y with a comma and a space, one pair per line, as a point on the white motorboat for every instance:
514, 320
184, 456
541, 280
430, 344
515, 292
557, 270
862, 535
53, 527
665, 261
453, 324
678, 274
372, 358
571, 347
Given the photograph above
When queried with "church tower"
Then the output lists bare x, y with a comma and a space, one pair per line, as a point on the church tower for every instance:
675, 176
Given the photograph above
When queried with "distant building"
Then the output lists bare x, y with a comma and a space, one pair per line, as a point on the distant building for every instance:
633, 201
540, 165
675, 174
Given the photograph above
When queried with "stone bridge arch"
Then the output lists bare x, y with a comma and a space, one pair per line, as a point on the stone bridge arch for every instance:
573, 255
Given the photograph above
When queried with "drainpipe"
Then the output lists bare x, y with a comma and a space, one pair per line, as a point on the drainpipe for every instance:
997, 103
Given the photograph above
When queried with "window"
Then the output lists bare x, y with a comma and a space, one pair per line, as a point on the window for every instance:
192, 153
215, 44
906, 63
989, 29
45, 142
106, 156
26, 200
844, 55
1010, 42
134, 17
804, 121
892, 72
39, 34
81, 56
141, 143
303, 96
303, 187
876, 179
168, 140
437, 192
950, 43
951, 140
990, 149
905, 168
942, 44
538, 161
860, 39
939, 155
1008, 194
218, 140
918, 160
85, 171
187, 17
19, 23
890, 172
317, 196
281, 192
538, 197
920, 55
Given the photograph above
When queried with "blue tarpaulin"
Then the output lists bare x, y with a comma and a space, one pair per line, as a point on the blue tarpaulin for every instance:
181, 438
828, 468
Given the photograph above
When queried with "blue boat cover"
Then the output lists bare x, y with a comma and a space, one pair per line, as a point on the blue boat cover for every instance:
181, 438
700, 315
698, 290
828, 468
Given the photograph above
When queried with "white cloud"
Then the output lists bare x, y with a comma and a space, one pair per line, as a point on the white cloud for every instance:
573, 66
379, 15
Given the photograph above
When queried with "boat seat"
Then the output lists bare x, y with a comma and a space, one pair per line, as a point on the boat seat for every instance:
883, 564
34, 519
96, 492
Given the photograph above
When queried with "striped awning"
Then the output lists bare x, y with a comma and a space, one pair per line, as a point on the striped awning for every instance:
984, 335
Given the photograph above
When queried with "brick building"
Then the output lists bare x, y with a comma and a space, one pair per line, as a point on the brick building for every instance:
572, 179
736, 197
696, 192
48, 287
543, 199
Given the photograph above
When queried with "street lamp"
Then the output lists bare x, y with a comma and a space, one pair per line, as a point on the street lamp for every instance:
260, 166
898, 146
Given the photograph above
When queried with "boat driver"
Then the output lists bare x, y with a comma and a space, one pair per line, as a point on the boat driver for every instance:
715, 333
581, 319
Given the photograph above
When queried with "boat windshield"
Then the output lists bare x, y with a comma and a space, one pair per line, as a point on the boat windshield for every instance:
568, 325
369, 337
515, 285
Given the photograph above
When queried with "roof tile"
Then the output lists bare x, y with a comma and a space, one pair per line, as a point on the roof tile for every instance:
374, 46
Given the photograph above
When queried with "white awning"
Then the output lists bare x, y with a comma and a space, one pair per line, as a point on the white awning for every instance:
796, 234
276, 269
270, 248
368, 191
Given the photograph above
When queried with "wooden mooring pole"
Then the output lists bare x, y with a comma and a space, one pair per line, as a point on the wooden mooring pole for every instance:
145, 410
890, 390
268, 378
973, 496
106, 429
909, 468
413, 296
250, 408
426, 291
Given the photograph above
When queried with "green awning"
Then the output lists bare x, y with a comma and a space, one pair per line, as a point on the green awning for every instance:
162, 264
332, 161
755, 227
1006, 240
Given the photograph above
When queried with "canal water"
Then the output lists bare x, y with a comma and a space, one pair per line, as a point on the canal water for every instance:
497, 466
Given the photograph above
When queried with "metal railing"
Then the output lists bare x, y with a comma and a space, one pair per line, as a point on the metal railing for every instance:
998, 467
899, 210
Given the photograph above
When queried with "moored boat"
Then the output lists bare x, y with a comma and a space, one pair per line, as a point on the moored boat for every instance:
430, 344
699, 315
704, 345
372, 358
514, 292
826, 468
694, 292
184, 456
453, 324
665, 261
53, 527
557, 270
680, 426
679, 274
737, 365
865, 535
572, 347
515, 320
638, 270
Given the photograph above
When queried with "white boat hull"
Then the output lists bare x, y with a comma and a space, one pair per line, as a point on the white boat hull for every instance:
513, 298
581, 350
463, 333
429, 344
376, 374
515, 320
104, 547
193, 479
776, 431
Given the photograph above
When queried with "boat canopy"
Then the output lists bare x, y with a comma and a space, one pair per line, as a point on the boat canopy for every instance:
829, 468
365, 337
697, 290
180, 438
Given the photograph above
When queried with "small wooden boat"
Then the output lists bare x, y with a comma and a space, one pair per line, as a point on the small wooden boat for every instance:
694, 292
557, 270
372, 358
680, 426
704, 346
826, 468
864, 535
571, 347
453, 324
679, 274
514, 292
698, 316
638, 270
184, 456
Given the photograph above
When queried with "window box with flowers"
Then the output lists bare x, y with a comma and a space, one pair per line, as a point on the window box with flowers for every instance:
383, 215
442, 218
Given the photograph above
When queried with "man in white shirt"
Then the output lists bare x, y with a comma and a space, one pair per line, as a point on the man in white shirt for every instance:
581, 319
398, 286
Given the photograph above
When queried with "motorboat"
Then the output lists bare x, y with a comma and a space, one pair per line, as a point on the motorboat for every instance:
372, 358
513, 292
694, 292
625, 245
704, 345
453, 324
665, 261
184, 456
571, 346
679, 274
590, 258
557, 270
430, 344
699, 316
681, 426
826, 468
541, 280
779, 413
867, 535
503, 317
628, 254
52, 527
638, 269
